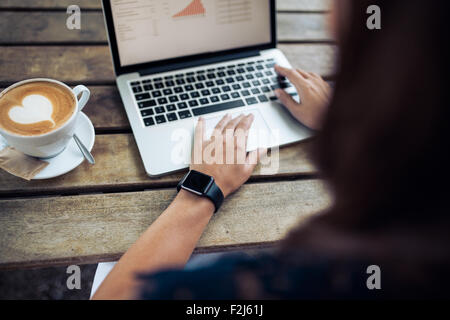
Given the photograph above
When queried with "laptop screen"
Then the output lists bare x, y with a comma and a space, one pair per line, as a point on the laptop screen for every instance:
154, 30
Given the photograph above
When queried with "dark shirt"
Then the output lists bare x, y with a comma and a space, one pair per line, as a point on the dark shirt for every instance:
267, 276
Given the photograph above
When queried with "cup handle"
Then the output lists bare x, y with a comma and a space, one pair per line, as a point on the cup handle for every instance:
85, 94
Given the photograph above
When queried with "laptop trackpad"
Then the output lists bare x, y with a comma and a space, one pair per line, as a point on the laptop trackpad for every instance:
259, 135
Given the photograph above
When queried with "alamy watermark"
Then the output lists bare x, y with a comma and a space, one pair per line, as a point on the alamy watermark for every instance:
374, 280
74, 280
73, 22
374, 20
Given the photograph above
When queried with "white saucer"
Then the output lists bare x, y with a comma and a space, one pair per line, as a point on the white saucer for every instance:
71, 157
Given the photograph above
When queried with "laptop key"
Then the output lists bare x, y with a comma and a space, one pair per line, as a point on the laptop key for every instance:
148, 112
262, 98
184, 96
204, 101
178, 89
148, 87
235, 95
225, 97
136, 83
160, 110
218, 107
189, 87
149, 122
167, 92
195, 94
246, 85
182, 105
265, 89
193, 103
147, 104
173, 99
156, 94
206, 92
215, 90
142, 96
251, 101
245, 93
137, 89
184, 114
199, 86
159, 85
214, 99
180, 81
160, 119
256, 91
172, 116
171, 107
226, 89
162, 101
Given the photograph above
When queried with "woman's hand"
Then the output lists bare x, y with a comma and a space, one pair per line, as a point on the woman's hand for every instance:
224, 156
314, 96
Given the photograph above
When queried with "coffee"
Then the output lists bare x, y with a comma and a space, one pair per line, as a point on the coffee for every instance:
36, 108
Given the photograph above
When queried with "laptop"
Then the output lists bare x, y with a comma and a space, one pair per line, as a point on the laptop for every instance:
177, 60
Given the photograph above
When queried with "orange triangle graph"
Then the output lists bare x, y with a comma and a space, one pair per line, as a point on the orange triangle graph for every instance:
195, 8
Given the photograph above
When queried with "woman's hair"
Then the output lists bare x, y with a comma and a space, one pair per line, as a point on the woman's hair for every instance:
384, 148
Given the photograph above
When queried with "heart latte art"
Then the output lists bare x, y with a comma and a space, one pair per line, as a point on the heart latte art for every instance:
35, 108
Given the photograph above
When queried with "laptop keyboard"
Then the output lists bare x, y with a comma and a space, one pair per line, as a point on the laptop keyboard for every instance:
185, 95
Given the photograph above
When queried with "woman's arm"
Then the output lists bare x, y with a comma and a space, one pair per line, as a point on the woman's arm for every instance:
170, 240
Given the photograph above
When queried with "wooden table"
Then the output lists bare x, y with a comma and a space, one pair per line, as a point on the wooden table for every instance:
95, 213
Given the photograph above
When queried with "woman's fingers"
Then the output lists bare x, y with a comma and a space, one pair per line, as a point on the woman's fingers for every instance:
242, 130
286, 100
292, 74
231, 125
222, 123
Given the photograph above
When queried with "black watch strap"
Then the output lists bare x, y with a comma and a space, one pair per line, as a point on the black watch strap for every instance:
215, 195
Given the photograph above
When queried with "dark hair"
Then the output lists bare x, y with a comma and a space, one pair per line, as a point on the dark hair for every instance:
384, 148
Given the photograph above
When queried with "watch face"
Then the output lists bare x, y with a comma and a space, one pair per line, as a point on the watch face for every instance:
197, 181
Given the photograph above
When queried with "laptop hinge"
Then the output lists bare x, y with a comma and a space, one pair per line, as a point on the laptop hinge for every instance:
199, 62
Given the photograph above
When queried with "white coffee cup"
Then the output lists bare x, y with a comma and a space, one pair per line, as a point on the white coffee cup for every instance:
52, 143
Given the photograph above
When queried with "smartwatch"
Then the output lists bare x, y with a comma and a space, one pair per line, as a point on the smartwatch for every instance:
203, 186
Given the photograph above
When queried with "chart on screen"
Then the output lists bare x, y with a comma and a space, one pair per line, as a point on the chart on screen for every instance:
195, 8
150, 30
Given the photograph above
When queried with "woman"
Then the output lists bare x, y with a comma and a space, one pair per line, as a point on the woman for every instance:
383, 150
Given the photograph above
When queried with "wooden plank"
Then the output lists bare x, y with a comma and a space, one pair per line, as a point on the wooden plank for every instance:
92, 64
297, 27
37, 27
285, 5
119, 167
50, 4
92, 228
50, 27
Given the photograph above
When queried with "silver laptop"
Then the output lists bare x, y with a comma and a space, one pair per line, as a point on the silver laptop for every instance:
176, 60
